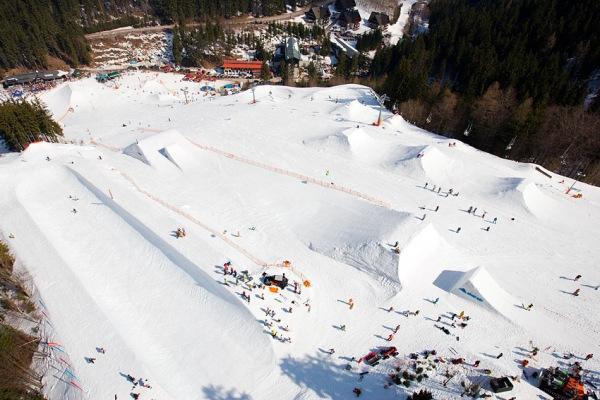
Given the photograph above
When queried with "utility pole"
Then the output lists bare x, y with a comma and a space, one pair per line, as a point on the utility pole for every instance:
381, 99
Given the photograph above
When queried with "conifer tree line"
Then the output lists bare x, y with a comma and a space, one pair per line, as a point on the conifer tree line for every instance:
509, 77
23, 122
30, 30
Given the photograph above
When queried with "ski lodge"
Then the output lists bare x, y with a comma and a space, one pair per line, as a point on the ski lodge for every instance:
233, 67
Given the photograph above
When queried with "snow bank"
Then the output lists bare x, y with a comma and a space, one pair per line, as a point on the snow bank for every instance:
58, 100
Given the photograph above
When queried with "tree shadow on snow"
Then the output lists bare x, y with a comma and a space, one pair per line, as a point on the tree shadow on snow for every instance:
331, 381
213, 392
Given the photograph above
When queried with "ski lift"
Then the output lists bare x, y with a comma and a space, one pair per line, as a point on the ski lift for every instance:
467, 131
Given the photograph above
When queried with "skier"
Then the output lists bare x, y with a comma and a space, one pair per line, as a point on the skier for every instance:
357, 391
436, 300
437, 208
470, 210
101, 350
390, 337
499, 356
74, 211
483, 215
529, 307
476, 363
589, 357
351, 304
396, 328
331, 351
495, 219
439, 189
576, 292
577, 278
458, 230
390, 309
426, 184
487, 229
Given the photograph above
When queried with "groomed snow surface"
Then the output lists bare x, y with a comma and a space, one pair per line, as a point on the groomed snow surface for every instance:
302, 175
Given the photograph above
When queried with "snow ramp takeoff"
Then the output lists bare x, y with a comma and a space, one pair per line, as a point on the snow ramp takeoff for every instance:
478, 286
162, 151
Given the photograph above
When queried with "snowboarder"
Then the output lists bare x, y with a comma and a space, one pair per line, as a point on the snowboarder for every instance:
90, 360
577, 278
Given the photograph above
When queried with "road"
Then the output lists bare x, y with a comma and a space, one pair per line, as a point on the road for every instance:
225, 22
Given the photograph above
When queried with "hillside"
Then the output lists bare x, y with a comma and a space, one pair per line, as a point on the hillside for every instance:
302, 176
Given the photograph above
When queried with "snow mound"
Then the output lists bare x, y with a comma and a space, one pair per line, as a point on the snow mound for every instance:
478, 286
336, 143
525, 194
358, 112
58, 100
154, 87
421, 257
436, 165
162, 151
358, 237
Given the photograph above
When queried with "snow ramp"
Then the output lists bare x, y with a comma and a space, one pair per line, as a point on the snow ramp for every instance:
422, 257
436, 165
58, 100
479, 287
163, 151
527, 195
354, 233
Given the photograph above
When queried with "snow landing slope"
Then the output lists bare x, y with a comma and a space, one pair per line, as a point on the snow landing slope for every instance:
359, 211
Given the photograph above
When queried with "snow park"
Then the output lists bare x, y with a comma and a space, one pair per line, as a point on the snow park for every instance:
279, 243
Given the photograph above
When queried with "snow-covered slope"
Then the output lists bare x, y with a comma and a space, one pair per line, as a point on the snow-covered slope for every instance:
301, 176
